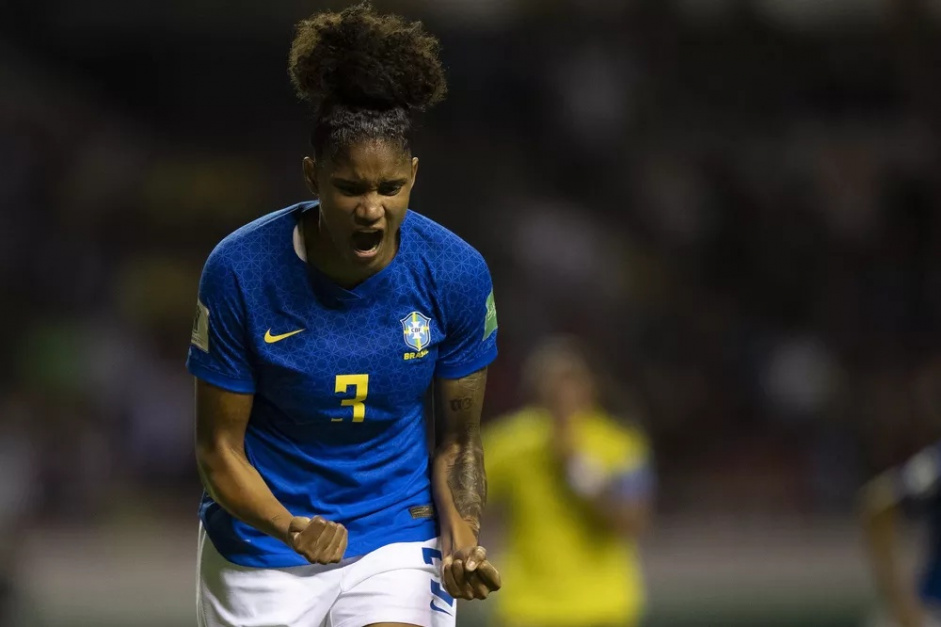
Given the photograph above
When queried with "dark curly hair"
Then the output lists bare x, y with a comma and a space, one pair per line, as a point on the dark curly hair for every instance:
365, 75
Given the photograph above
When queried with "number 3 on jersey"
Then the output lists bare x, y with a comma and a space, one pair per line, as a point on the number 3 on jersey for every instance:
360, 384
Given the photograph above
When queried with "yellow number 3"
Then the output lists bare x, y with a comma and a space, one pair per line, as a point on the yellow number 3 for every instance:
360, 383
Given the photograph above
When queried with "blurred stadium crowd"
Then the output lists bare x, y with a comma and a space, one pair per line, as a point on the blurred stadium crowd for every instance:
735, 202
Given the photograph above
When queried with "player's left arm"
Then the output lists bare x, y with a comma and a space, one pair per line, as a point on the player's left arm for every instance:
621, 501
627, 514
460, 486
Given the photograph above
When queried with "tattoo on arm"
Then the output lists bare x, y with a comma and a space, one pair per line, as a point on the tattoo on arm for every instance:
458, 404
468, 482
466, 476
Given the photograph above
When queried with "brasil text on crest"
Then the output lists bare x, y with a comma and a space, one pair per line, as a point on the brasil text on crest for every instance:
416, 330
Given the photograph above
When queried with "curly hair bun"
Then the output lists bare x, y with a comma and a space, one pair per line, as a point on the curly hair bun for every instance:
361, 60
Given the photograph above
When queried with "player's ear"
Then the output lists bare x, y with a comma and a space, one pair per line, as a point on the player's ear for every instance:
310, 176
414, 169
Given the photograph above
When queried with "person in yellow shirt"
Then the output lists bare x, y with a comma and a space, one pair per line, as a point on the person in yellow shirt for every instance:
574, 487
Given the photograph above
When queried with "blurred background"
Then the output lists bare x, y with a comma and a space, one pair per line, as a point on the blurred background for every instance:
734, 201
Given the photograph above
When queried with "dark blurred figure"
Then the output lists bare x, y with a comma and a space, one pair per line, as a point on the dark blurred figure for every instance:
17, 501
912, 488
575, 486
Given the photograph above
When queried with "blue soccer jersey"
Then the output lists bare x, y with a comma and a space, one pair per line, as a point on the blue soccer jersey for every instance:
917, 486
339, 376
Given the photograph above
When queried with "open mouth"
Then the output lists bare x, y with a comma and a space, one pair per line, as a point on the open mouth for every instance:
366, 244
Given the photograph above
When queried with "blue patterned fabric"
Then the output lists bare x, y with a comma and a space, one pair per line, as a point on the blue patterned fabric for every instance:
339, 376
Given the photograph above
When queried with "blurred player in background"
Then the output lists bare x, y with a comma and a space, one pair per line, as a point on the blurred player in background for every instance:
913, 488
574, 486
319, 329
19, 475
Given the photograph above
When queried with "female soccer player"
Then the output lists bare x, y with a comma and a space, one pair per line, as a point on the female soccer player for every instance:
319, 329
568, 474
912, 488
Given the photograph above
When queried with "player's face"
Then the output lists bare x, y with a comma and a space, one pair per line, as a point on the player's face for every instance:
567, 387
364, 194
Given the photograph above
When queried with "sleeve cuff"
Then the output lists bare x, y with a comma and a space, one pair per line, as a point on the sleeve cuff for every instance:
634, 485
464, 368
232, 384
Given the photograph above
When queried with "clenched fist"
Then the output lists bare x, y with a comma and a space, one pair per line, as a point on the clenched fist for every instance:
468, 575
320, 541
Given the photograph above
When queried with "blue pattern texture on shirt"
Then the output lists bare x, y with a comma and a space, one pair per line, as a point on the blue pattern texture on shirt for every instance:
339, 376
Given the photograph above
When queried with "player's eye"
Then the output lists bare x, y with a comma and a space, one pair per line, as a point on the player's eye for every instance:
390, 189
348, 189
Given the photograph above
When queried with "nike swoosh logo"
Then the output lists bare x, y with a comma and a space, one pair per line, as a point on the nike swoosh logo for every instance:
438, 609
271, 339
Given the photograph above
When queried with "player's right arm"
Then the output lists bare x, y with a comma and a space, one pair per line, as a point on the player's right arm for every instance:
626, 512
219, 358
227, 475
880, 507
620, 499
232, 482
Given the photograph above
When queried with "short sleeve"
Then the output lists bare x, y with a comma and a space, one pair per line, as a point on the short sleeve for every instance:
218, 352
633, 477
636, 484
470, 341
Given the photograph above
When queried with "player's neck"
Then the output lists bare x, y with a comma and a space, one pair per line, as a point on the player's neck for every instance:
323, 255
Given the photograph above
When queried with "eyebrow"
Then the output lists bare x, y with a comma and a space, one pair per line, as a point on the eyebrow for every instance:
359, 183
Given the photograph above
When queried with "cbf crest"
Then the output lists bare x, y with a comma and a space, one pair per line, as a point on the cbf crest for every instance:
417, 330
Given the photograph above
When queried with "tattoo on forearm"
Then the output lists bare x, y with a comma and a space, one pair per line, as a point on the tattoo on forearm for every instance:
468, 481
467, 478
458, 404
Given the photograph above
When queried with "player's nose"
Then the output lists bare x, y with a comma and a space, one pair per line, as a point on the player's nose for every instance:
370, 209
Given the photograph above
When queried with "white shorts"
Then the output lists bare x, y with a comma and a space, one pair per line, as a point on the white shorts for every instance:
398, 583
